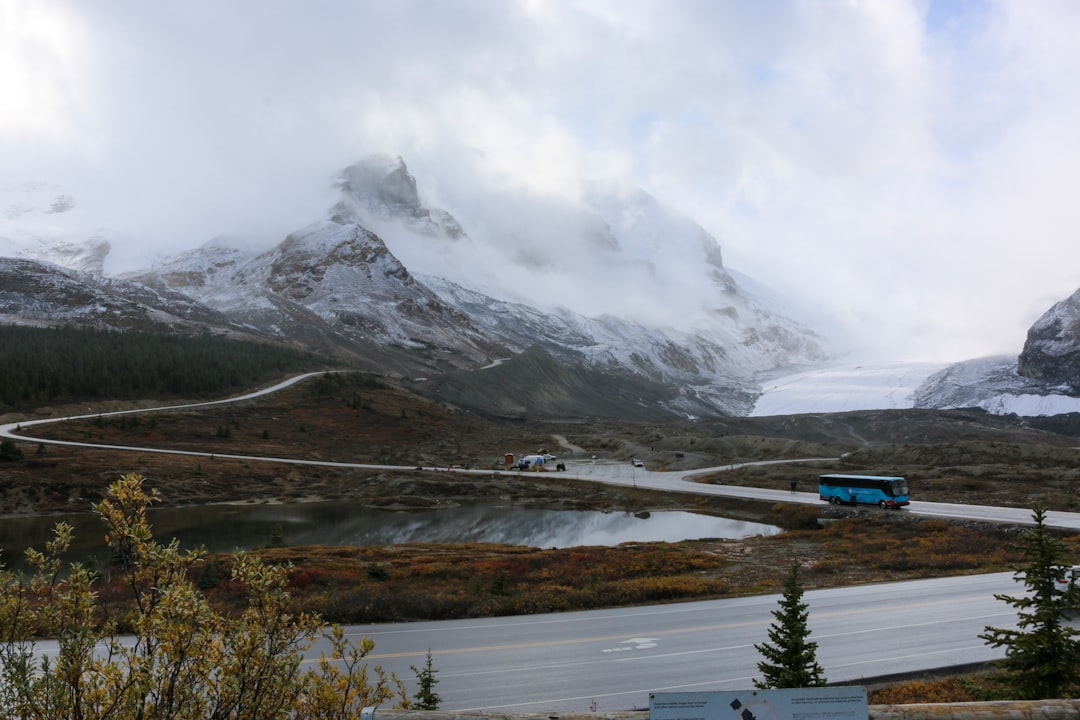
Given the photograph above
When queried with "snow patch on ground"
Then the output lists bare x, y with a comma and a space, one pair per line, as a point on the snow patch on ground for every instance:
988, 383
844, 387
1031, 405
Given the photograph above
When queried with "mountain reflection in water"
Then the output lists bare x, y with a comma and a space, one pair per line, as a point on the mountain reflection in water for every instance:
228, 527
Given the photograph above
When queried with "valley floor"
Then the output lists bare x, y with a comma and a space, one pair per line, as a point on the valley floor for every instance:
957, 456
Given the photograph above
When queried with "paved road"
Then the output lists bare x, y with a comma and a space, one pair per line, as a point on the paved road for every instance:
610, 660
613, 658
683, 481
609, 472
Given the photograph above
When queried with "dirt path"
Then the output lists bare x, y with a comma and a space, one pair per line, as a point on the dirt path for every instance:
564, 443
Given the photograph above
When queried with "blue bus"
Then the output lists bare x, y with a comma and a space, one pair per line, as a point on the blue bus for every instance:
880, 490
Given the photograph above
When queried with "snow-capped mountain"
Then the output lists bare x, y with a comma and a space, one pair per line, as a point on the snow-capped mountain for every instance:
690, 341
506, 310
87, 257
346, 271
37, 220
615, 251
36, 292
995, 385
1043, 380
336, 288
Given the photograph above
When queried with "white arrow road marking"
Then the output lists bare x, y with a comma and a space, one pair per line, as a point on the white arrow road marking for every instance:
637, 644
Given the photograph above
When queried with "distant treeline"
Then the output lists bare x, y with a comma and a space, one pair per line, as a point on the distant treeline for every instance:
51, 365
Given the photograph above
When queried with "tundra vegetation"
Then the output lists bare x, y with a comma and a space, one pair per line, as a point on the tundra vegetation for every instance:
440, 581
957, 456
187, 608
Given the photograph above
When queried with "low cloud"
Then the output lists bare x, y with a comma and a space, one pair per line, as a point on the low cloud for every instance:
904, 166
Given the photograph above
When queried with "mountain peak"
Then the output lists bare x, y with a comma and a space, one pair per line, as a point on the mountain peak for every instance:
383, 184
579, 319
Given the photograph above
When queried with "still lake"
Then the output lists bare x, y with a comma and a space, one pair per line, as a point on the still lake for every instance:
229, 527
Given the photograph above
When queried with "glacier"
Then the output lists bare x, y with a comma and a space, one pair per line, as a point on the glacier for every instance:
988, 383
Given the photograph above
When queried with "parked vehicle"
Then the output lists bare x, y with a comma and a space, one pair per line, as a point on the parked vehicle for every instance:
1069, 578
531, 461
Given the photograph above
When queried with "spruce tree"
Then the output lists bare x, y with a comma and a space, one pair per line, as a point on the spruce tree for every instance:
790, 657
426, 698
1042, 655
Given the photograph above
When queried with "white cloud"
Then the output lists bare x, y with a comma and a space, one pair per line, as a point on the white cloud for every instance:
906, 165
42, 77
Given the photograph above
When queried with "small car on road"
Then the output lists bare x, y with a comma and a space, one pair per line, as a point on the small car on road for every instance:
1069, 577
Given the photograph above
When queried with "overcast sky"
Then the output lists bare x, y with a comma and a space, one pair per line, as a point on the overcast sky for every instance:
911, 166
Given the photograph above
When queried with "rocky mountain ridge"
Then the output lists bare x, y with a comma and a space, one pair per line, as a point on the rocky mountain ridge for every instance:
1052, 350
1043, 380
338, 286
38, 292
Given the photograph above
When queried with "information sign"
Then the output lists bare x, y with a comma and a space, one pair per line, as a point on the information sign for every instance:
819, 703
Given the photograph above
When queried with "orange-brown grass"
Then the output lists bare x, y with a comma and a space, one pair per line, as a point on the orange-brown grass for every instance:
970, 687
891, 547
442, 581
406, 582
950, 689
438, 581
348, 418
929, 545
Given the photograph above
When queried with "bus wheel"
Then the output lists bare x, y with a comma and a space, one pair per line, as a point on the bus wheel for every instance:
882, 505
834, 500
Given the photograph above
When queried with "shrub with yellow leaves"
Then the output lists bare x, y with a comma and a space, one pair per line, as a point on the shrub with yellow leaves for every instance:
184, 660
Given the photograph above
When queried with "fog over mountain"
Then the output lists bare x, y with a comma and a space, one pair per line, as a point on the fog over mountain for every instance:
900, 169
618, 252
404, 286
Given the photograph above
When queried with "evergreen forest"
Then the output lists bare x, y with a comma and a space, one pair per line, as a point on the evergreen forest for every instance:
67, 364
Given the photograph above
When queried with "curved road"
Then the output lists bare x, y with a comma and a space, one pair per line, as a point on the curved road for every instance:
612, 473
611, 659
